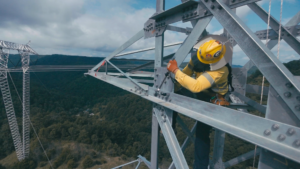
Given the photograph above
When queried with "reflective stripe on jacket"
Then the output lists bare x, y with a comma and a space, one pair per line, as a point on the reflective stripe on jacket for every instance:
217, 80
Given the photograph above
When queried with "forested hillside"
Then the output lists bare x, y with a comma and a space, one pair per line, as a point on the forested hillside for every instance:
85, 123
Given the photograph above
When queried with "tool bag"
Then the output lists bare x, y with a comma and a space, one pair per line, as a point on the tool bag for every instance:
219, 99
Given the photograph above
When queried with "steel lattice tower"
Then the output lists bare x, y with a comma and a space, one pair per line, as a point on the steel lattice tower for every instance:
22, 147
277, 135
8, 104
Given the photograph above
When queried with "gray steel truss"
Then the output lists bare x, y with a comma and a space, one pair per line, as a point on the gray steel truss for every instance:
9, 108
273, 42
25, 58
277, 135
140, 160
15, 46
22, 147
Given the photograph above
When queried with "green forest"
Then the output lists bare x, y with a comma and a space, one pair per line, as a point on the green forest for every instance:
83, 122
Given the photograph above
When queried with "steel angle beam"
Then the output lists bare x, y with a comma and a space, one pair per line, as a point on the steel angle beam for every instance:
219, 141
239, 79
251, 103
146, 74
275, 72
285, 33
170, 138
120, 166
240, 106
277, 110
248, 65
131, 41
230, 121
159, 49
122, 83
148, 164
235, 3
191, 10
273, 35
132, 80
294, 21
154, 143
15, 46
185, 129
175, 10
236, 123
144, 81
255, 89
147, 49
185, 144
191, 40
168, 57
178, 29
242, 158
189, 139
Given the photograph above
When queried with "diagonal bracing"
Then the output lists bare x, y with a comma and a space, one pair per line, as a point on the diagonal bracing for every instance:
268, 134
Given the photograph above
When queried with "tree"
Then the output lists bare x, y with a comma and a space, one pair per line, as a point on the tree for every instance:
2, 167
88, 162
71, 164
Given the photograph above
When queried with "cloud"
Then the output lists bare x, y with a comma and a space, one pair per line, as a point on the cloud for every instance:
243, 11
39, 13
218, 32
286, 54
92, 28
75, 27
56, 26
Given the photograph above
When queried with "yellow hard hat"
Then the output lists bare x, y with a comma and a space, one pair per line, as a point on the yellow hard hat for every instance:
211, 51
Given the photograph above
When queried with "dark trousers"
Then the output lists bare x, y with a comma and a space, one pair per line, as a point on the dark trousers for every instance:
202, 140
202, 146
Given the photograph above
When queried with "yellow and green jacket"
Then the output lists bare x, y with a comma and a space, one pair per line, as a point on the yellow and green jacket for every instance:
217, 80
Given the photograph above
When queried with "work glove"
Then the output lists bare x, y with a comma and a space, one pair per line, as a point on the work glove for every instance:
172, 66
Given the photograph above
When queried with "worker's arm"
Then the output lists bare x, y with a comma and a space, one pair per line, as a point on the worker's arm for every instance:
188, 70
203, 82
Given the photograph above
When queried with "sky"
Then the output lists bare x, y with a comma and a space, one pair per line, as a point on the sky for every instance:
97, 27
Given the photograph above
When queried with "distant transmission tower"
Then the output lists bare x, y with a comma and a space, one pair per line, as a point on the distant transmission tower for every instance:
8, 104
22, 148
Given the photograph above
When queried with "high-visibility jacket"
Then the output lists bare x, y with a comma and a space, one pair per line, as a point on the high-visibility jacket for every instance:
217, 80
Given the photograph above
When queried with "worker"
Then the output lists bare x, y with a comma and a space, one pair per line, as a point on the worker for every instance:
210, 65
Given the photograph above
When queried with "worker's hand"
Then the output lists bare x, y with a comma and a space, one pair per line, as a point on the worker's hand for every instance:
172, 66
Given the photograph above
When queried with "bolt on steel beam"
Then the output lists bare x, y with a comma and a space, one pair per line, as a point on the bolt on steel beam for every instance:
171, 140
262, 57
230, 121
